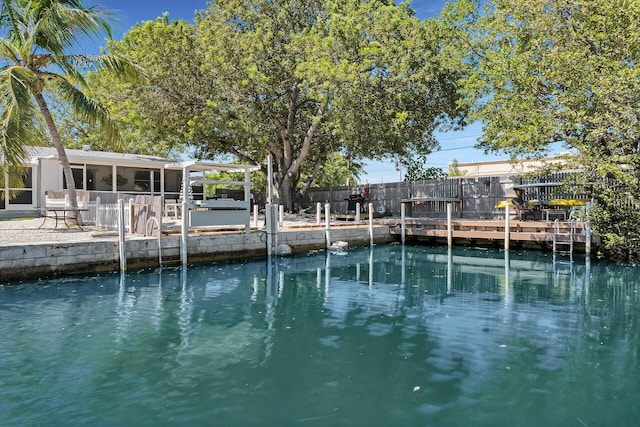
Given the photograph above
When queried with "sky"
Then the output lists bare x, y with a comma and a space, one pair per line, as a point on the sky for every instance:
454, 145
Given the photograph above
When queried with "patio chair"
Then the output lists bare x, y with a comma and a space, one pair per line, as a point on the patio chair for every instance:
522, 210
172, 208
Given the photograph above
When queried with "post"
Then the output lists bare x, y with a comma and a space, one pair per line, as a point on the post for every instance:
255, 216
587, 237
247, 197
269, 225
121, 236
185, 216
449, 271
449, 226
98, 207
507, 215
280, 216
357, 212
318, 213
403, 210
131, 217
269, 180
370, 224
327, 224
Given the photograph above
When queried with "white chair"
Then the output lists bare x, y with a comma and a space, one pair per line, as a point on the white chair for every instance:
172, 208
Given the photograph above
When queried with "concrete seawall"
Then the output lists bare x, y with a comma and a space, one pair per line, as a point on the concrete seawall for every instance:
41, 260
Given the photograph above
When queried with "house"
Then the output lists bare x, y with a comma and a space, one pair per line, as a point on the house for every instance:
101, 173
501, 167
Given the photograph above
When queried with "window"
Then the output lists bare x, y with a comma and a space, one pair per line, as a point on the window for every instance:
25, 197
142, 181
78, 177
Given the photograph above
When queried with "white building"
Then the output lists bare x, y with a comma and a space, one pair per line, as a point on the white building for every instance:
94, 172
503, 167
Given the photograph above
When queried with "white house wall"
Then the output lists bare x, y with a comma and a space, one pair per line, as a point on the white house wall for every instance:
50, 177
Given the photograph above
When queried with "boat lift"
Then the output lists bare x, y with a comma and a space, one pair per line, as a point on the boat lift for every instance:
203, 213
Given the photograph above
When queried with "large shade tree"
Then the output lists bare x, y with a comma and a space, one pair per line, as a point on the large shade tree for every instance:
37, 37
301, 80
306, 82
548, 72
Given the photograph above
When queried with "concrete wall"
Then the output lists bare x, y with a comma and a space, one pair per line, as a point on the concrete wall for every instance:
32, 261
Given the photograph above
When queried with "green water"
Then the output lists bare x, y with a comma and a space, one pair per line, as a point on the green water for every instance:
413, 336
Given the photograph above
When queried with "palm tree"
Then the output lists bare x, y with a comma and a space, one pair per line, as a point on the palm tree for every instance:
34, 63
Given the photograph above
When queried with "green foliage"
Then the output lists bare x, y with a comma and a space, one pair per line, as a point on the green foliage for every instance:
154, 113
454, 170
564, 71
616, 216
335, 172
416, 170
36, 38
11, 178
298, 81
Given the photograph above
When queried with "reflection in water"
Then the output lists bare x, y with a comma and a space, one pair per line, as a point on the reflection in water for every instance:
389, 335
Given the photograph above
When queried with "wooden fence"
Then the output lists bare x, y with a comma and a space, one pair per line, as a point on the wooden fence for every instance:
477, 196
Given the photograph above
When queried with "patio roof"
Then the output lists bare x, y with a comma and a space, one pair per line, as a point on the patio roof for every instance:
203, 166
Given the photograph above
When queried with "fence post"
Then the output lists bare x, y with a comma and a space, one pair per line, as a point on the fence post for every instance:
98, 219
318, 213
131, 217
121, 238
357, 212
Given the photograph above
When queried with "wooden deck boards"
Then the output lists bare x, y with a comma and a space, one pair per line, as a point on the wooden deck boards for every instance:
520, 231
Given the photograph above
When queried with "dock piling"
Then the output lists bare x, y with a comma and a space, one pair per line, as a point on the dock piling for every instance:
327, 223
449, 226
507, 224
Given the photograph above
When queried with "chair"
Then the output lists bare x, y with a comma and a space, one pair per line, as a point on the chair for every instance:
522, 211
172, 207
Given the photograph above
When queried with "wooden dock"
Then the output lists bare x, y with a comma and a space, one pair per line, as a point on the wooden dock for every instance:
492, 232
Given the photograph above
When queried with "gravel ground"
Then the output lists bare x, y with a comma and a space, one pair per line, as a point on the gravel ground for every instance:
24, 231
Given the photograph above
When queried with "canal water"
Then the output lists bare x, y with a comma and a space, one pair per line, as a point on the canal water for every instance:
393, 336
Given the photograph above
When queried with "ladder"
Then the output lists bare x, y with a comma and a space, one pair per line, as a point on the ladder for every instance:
563, 270
566, 239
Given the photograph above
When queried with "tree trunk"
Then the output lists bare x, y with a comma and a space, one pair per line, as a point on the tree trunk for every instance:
285, 190
62, 155
289, 163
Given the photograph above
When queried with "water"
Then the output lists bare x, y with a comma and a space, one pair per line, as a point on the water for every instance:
391, 337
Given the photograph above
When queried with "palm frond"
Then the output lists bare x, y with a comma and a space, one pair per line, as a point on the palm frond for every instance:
88, 109
75, 65
8, 15
8, 52
16, 85
19, 118
64, 23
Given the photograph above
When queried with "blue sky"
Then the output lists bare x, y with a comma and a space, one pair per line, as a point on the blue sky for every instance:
455, 145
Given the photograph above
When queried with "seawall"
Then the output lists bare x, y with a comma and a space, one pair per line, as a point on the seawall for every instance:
41, 260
